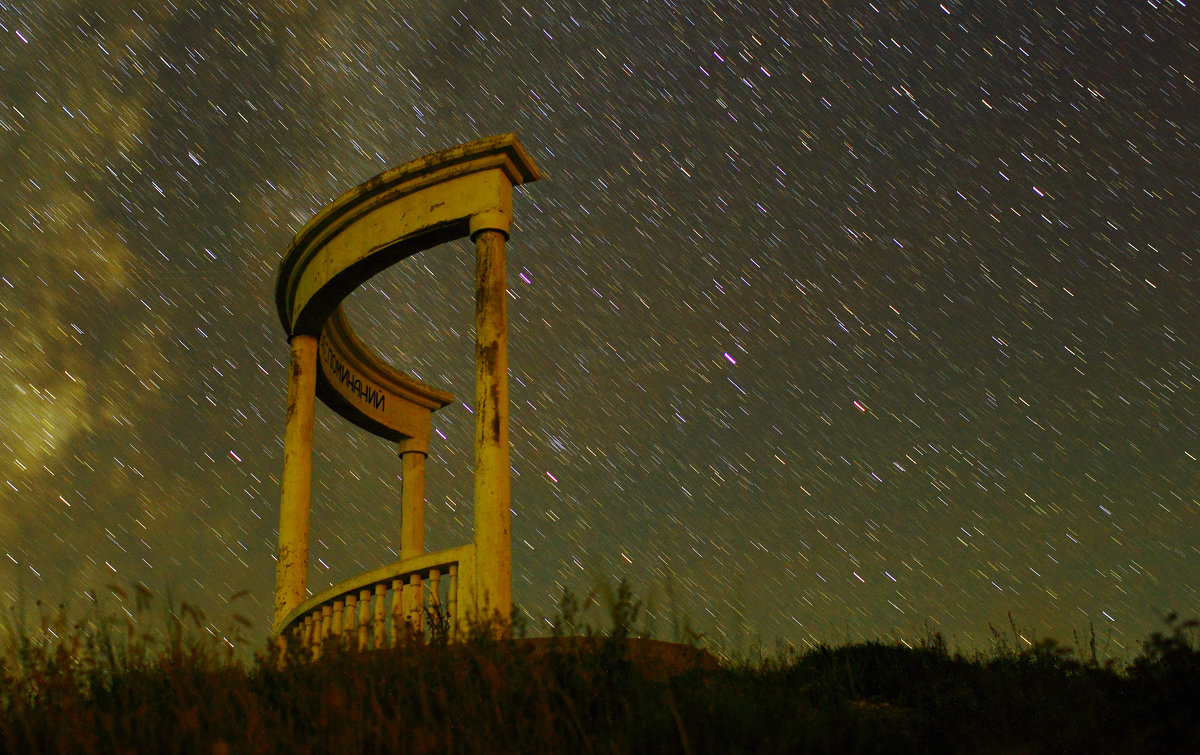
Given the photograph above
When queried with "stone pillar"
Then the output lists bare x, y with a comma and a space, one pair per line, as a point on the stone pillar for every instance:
412, 497
291, 572
493, 537
412, 517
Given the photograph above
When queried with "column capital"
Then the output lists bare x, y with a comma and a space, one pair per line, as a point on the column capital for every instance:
413, 445
491, 220
302, 336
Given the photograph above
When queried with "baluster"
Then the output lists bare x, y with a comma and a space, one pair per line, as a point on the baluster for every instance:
336, 628
435, 582
435, 599
351, 616
380, 612
416, 615
323, 633
397, 607
453, 607
364, 617
308, 634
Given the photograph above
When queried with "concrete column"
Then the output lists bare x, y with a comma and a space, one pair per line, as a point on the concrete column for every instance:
291, 572
412, 498
493, 537
412, 519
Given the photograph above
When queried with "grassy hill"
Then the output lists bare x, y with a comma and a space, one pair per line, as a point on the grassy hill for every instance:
100, 686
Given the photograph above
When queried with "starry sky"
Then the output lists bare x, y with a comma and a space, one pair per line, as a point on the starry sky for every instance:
828, 320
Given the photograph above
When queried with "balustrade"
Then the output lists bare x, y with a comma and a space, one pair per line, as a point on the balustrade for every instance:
412, 599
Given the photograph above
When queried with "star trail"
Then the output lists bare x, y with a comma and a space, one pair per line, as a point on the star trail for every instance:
828, 320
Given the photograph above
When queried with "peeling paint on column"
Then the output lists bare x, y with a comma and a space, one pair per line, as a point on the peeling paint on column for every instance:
493, 510
291, 571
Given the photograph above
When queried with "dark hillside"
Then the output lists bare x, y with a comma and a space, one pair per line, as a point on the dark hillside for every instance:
100, 690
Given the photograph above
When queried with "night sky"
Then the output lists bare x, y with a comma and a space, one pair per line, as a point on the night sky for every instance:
827, 320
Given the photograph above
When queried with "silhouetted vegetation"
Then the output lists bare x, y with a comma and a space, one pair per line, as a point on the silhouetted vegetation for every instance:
102, 684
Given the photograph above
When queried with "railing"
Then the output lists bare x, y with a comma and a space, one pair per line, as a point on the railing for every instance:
379, 608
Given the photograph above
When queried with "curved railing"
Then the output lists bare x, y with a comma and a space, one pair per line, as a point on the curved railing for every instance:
384, 606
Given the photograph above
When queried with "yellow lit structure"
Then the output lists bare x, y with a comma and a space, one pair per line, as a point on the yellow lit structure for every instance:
444, 196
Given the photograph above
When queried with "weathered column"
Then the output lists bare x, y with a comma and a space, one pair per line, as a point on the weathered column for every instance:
493, 538
291, 572
412, 516
412, 497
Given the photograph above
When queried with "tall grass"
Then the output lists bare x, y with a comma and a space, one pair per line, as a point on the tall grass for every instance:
108, 683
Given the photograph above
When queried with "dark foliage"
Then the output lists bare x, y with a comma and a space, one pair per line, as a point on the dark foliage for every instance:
102, 687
